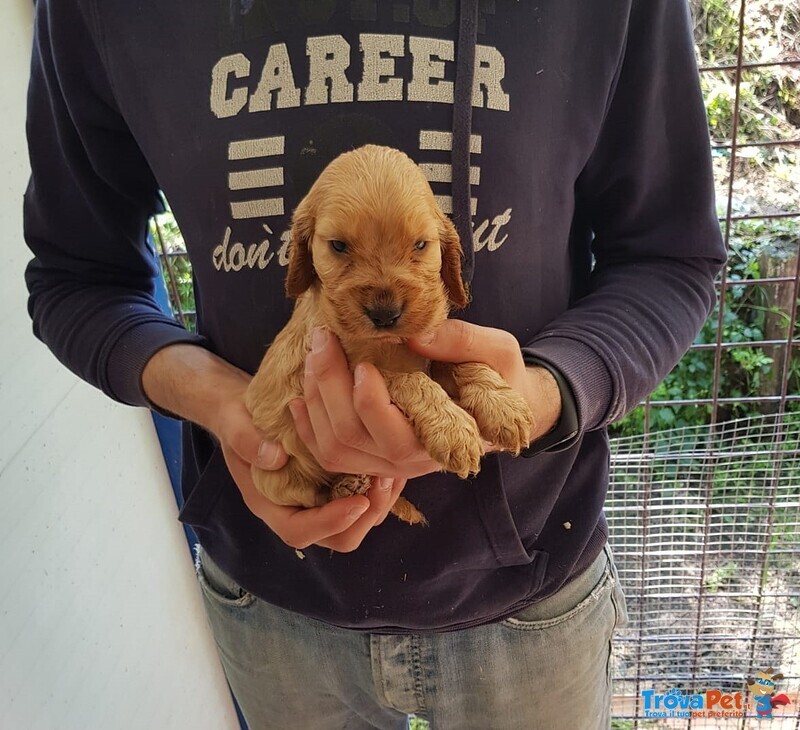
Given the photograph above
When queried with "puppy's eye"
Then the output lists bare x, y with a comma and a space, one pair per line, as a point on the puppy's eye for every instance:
419, 245
339, 246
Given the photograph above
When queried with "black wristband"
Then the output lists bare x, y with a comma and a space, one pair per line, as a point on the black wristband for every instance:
567, 427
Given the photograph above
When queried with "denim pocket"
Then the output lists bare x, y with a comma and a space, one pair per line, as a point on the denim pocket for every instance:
618, 596
595, 592
218, 586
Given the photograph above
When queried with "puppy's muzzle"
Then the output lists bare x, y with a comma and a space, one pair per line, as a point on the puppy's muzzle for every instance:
384, 317
383, 307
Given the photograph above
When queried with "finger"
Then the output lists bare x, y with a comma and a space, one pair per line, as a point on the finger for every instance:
388, 426
329, 455
251, 445
327, 366
256, 502
331, 451
296, 526
397, 487
380, 498
339, 525
350, 539
459, 341
382, 495
272, 514
299, 527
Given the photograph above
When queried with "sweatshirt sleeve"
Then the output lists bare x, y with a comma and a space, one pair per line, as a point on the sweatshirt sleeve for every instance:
86, 211
648, 194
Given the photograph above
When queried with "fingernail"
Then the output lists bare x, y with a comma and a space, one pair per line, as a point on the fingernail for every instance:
318, 339
267, 454
385, 484
355, 512
426, 338
359, 374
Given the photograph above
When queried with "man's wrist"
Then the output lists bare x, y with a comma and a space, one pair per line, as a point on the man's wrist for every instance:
547, 400
192, 383
565, 428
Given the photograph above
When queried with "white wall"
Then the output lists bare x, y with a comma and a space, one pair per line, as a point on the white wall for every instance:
101, 621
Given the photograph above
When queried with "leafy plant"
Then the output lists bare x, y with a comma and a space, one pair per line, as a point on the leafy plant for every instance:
175, 266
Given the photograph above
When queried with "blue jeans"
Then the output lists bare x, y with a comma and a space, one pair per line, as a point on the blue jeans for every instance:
546, 668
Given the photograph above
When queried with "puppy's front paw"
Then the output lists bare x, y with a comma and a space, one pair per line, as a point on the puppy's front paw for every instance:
448, 433
504, 418
451, 436
502, 414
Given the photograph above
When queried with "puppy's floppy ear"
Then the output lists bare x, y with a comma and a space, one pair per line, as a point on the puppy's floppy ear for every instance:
300, 274
451, 262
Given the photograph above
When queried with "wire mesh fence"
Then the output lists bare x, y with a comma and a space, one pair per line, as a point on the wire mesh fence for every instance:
704, 501
705, 528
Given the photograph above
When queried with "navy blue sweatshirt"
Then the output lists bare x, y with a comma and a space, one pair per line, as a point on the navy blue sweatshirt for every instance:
588, 191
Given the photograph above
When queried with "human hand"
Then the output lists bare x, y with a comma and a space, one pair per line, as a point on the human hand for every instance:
457, 341
195, 384
348, 421
340, 525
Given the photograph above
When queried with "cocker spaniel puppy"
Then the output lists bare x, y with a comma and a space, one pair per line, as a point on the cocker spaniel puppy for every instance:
374, 260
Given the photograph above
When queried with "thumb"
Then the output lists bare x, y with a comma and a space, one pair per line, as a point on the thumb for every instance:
251, 446
270, 455
459, 341
451, 338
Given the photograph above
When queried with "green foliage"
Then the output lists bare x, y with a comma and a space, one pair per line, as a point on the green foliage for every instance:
721, 576
769, 103
175, 266
758, 121
716, 30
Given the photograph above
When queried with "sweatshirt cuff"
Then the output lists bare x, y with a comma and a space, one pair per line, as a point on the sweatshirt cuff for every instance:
131, 352
585, 371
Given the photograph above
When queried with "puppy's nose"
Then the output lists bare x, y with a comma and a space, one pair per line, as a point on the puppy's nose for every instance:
384, 316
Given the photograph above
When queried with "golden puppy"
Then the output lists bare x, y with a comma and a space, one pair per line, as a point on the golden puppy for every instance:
375, 261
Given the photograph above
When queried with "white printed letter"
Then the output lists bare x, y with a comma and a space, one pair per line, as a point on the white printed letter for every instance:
377, 66
490, 70
329, 58
222, 104
427, 76
276, 76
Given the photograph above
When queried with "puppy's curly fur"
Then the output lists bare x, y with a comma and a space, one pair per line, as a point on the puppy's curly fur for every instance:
374, 260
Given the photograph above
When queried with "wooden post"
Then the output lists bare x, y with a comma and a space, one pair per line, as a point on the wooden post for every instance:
777, 260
